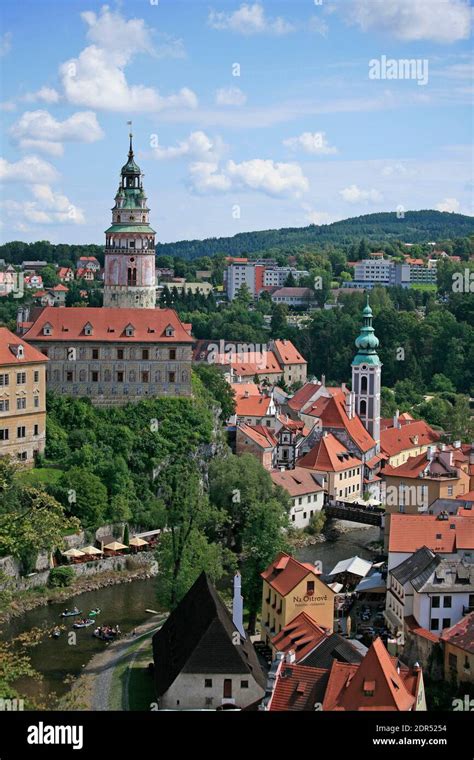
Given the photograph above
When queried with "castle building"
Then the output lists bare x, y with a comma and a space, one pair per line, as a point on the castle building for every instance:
366, 377
129, 276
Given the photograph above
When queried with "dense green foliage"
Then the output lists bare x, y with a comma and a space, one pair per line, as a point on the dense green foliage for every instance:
61, 576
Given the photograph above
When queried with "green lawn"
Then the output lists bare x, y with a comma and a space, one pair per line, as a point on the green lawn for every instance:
42, 476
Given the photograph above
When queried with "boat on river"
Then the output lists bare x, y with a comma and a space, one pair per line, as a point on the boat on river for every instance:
71, 613
94, 612
83, 623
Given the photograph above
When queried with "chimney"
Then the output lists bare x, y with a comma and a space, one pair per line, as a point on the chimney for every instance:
323, 379
238, 606
446, 457
396, 419
246, 394
430, 452
443, 447
343, 387
290, 656
457, 445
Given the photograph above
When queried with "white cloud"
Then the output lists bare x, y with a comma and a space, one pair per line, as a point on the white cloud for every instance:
314, 143
353, 194
29, 169
230, 96
96, 78
268, 176
41, 131
8, 105
198, 146
318, 26
397, 170
47, 207
249, 19
5, 44
205, 177
451, 205
45, 94
442, 21
319, 217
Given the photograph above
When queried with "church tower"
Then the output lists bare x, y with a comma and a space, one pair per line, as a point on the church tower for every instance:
129, 279
366, 377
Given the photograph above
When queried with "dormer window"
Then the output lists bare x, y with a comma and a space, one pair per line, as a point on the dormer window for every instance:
20, 354
47, 329
129, 331
169, 332
88, 329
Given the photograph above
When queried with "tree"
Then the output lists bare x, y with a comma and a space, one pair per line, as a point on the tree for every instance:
218, 387
85, 496
459, 422
244, 296
278, 321
126, 535
441, 383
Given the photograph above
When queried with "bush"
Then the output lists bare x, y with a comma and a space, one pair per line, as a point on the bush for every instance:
316, 523
61, 576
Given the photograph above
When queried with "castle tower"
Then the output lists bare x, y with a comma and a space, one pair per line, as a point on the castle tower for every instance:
366, 377
129, 280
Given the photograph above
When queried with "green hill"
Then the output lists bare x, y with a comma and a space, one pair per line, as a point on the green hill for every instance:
415, 227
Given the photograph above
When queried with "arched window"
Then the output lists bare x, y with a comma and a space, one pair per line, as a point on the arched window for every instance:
118, 217
363, 384
363, 406
131, 276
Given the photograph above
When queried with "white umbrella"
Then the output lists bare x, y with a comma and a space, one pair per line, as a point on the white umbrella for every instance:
91, 550
73, 553
135, 541
115, 546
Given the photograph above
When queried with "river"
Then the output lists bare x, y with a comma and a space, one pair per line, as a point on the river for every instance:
125, 604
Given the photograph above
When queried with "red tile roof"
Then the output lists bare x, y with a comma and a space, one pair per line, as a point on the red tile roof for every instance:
252, 406
296, 482
329, 455
333, 415
240, 389
421, 463
461, 634
410, 532
262, 365
8, 349
408, 436
374, 684
108, 325
288, 353
285, 572
413, 627
297, 688
302, 635
259, 434
303, 395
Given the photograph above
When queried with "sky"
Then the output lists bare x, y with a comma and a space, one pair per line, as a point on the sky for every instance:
245, 116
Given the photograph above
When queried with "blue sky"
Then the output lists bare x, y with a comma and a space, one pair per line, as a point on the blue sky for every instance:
245, 115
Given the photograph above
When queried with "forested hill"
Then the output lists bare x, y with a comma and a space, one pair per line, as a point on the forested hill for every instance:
415, 227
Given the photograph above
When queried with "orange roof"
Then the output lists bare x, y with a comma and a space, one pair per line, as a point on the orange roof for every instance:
259, 434
420, 463
108, 324
333, 414
374, 684
413, 627
60, 287
296, 482
258, 365
9, 349
302, 635
252, 406
288, 353
303, 395
286, 572
297, 688
240, 389
461, 634
329, 455
416, 433
410, 532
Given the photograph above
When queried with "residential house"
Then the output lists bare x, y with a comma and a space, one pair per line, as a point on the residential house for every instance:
343, 470
203, 659
405, 438
258, 440
451, 536
307, 643
294, 297
66, 274
306, 491
291, 587
458, 645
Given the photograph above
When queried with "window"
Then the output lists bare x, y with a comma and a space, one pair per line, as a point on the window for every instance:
4, 380
69, 377
21, 432
4, 405
363, 384
434, 625
172, 354
120, 353
36, 376
36, 430
145, 354
447, 601
20, 378
452, 661
145, 377
95, 353
227, 688
435, 602
208, 683
310, 588
22, 456
446, 622
244, 684
120, 377
21, 403
4, 434
171, 377
44, 351
95, 377
363, 406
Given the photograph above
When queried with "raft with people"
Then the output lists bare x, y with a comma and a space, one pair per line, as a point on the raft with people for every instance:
106, 632
71, 613
94, 612
84, 623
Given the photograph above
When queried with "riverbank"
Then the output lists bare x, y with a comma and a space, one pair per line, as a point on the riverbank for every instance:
104, 684
24, 601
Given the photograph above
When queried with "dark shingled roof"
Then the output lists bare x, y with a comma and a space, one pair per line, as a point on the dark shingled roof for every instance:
420, 564
198, 637
334, 647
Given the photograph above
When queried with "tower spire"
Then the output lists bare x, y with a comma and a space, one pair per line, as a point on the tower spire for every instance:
130, 134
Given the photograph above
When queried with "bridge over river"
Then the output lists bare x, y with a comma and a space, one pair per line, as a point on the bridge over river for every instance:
355, 512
